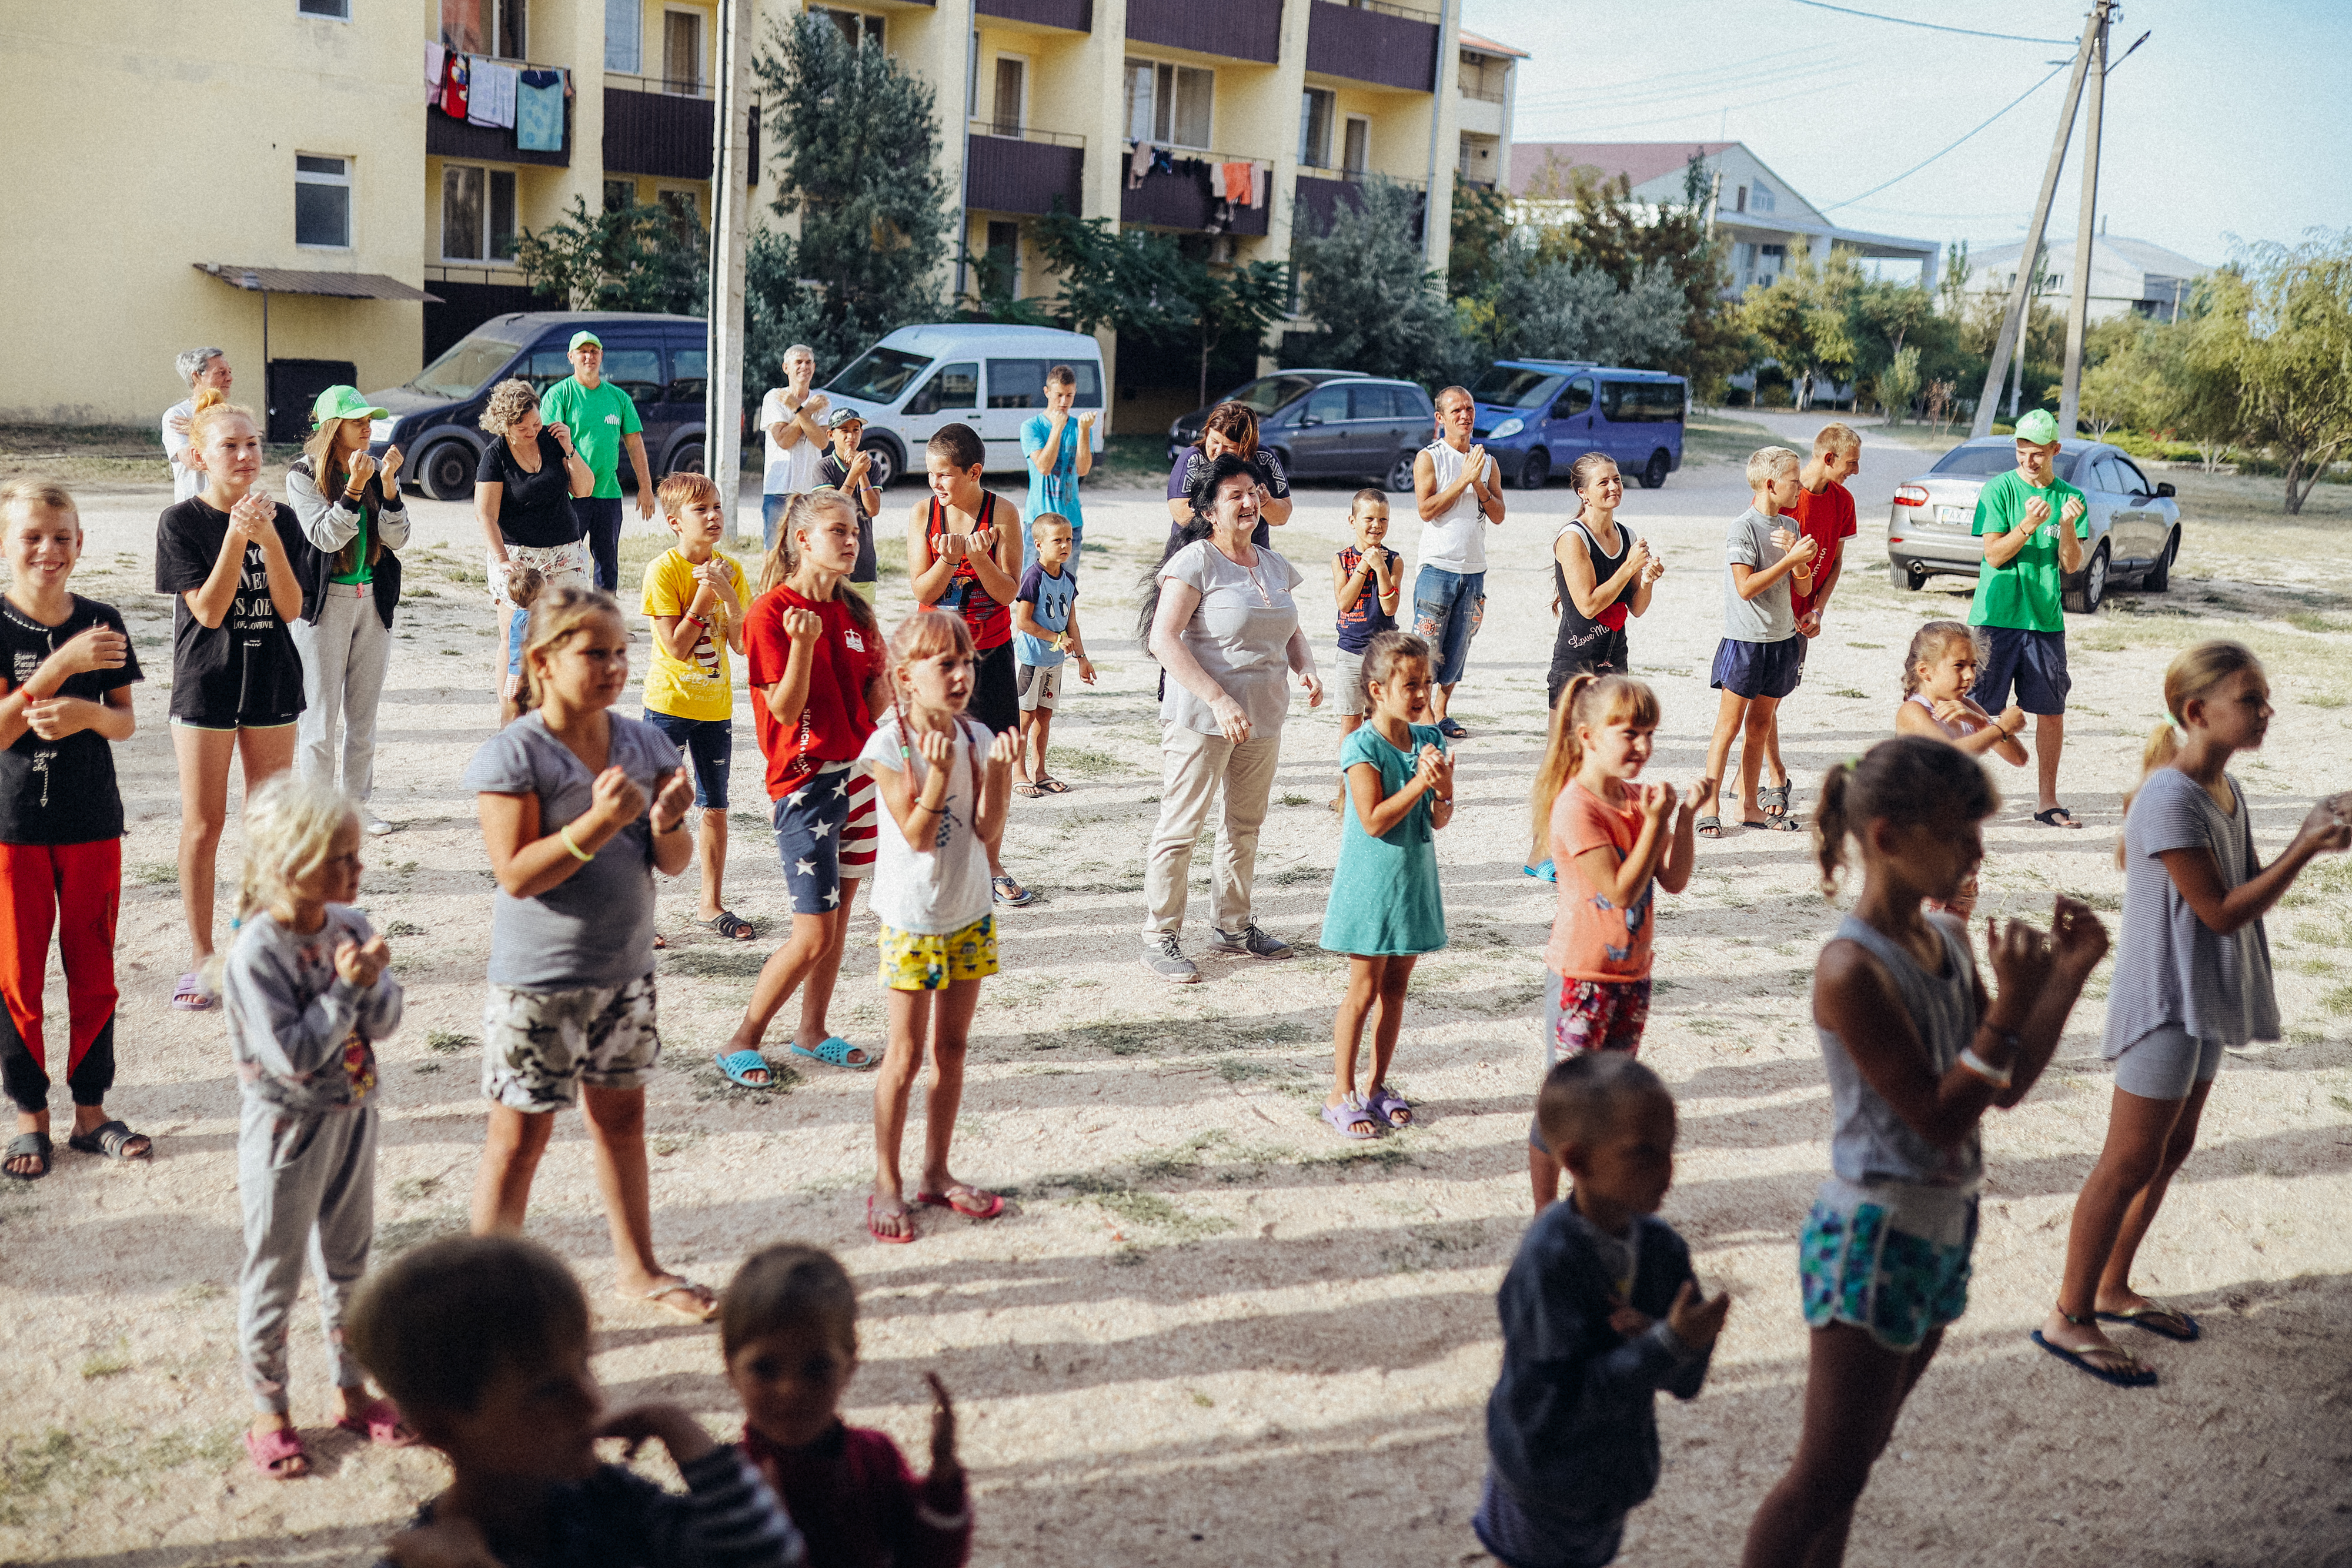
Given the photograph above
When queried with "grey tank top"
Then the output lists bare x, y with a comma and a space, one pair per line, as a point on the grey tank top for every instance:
1870, 1143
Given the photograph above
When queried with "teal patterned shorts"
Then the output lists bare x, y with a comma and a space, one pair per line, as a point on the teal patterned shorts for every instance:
1864, 1271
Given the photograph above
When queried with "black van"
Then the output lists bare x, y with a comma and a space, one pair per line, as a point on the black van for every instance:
659, 360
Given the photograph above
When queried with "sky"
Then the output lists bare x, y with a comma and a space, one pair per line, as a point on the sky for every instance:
2231, 120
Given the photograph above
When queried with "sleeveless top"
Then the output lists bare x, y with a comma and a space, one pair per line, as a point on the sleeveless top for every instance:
1456, 540
1967, 726
1578, 632
1877, 1157
990, 624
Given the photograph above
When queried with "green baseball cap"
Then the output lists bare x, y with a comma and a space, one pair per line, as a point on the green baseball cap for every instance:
2038, 427
344, 402
580, 337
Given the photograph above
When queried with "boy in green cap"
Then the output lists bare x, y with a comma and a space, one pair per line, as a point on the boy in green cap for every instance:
2033, 524
602, 419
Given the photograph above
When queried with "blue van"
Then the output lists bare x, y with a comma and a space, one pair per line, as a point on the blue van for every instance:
1538, 416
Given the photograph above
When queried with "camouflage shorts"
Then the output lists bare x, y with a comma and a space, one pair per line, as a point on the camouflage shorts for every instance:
538, 1046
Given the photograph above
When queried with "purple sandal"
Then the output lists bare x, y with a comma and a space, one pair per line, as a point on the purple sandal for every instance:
1347, 1115
1384, 1106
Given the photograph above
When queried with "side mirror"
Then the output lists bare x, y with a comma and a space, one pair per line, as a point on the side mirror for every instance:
2163, 487
1306, 419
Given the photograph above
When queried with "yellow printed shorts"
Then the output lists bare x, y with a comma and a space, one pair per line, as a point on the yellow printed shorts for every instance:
923, 961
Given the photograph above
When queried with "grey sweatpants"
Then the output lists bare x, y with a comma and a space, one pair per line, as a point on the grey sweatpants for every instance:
344, 655
306, 1180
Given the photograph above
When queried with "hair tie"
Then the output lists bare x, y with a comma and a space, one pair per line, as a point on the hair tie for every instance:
1852, 763
2174, 725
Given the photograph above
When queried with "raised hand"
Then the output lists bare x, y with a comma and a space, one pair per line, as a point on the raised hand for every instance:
1658, 802
255, 518
562, 431
2037, 512
1803, 551
955, 546
675, 795
1654, 568
2077, 939
54, 718
100, 648
802, 626
1475, 464
617, 797
362, 470
937, 746
362, 966
2013, 719
2022, 957
2071, 512
1001, 749
1950, 710
1783, 539
390, 466
1696, 1318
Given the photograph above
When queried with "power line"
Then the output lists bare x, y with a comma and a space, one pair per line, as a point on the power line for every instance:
1931, 26
1915, 168
1647, 92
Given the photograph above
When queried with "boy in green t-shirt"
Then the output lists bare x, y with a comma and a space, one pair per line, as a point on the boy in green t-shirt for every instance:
603, 418
2033, 525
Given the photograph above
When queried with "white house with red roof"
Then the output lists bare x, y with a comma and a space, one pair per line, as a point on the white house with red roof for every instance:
1486, 83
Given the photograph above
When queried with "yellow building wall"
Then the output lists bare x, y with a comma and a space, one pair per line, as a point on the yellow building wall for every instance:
142, 143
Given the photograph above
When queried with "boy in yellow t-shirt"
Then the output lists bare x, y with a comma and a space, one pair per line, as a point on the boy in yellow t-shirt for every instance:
696, 598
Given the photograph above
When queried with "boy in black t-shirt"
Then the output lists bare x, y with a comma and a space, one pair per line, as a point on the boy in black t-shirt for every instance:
847, 469
65, 696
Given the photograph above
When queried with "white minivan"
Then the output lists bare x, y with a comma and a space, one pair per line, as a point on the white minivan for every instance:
991, 378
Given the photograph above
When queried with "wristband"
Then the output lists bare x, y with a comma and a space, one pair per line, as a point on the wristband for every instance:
564, 834
1998, 1077
1442, 799
674, 827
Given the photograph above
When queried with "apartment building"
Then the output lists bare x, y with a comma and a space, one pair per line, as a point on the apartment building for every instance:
2135, 276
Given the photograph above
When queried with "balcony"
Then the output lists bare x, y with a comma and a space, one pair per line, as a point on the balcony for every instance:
1390, 46
1189, 198
1321, 192
448, 138
1237, 29
1074, 15
1009, 169
648, 131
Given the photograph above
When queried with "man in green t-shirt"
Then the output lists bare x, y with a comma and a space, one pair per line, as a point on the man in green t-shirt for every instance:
601, 418
2033, 525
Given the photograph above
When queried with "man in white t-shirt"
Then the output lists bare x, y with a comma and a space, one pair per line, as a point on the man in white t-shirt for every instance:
794, 417
1460, 493
200, 367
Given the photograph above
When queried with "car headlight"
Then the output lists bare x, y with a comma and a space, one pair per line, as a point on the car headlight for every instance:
1508, 429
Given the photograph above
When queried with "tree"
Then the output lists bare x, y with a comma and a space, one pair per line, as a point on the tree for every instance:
625, 258
1380, 308
1899, 384
1481, 232
1804, 319
855, 153
1233, 305
1128, 281
2276, 340
1559, 310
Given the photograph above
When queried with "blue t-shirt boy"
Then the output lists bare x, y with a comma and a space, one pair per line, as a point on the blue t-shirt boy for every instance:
1055, 491
1050, 595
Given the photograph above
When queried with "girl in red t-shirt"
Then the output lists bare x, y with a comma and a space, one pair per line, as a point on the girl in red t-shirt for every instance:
813, 660
1609, 835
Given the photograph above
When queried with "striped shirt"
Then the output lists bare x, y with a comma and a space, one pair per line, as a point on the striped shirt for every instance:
2170, 967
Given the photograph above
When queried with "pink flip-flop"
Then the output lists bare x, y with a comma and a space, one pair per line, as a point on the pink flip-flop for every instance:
970, 1206
273, 1453
380, 1423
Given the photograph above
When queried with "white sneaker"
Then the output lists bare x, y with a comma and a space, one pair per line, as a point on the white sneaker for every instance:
374, 825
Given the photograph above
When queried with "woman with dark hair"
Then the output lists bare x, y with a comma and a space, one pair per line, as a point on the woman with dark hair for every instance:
1218, 617
1230, 429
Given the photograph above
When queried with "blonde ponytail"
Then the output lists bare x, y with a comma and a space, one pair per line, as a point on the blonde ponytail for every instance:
2192, 674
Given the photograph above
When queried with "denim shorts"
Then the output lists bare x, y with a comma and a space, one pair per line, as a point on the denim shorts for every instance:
1446, 609
1858, 1269
2034, 663
1753, 670
808, 824
707, 746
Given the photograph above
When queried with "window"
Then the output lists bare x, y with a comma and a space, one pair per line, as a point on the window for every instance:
955, 386
1379, 403
682, 53
1021, 383
1482, 77
1315, 128
1577, 399
1996, 458
469, 364
2135, 483
1641, 403
857, 26
1169, 104
1765, 201
1326, 406
337, 10
878, 375
1508, 387
635, 368
322, 201
477, 213
625, 44
484, 27
1000, 269
548, 366
689, 374
1009, 110
620, 195
1356, 150
2104, 478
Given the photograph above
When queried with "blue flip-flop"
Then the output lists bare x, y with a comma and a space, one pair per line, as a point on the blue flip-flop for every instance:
735, 1064
1543, 872
834, 1052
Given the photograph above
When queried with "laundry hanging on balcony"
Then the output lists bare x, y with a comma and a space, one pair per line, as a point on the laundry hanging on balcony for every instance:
454, 87
1236, 177
1259, 174
492, 102
538, 112
436, 68
1139, 164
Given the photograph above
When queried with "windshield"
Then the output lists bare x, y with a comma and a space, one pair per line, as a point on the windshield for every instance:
878, 375
1516, 388
1973, 462
465, 369
1270, 392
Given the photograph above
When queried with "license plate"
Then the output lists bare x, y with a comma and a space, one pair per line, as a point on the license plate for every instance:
1951, 516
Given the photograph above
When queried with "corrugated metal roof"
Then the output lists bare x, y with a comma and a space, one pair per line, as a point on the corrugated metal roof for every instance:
1639, 162
335, 284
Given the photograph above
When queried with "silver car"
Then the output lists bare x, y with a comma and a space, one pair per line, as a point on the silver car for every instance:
2134, 526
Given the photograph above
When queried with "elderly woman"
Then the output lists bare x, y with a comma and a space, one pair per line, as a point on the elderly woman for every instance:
523, 490
200, 367
1230, 427
1220, 619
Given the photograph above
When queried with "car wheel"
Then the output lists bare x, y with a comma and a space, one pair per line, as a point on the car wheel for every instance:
687, 459
881, 463
1906, 576
2085, 597
1400, 479
2158, 578
448, 471
1535, 470
1653, 477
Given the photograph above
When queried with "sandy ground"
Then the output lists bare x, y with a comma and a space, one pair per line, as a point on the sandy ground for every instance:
1209, 1331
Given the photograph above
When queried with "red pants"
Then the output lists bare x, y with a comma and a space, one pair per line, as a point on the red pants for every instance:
76, 890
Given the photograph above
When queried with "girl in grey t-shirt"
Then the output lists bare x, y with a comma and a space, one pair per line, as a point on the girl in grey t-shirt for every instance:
2192, 976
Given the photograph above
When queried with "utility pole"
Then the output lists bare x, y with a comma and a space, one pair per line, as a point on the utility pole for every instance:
2070, 396
731, 200
2013, 320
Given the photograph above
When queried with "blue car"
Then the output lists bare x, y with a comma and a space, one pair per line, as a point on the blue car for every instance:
1534, 417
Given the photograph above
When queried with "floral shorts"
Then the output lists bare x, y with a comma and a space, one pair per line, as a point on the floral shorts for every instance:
1858, 1269
922, 961
1589, 1015
540, 1047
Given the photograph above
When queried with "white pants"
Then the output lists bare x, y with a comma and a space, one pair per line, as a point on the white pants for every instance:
344, 654
1194, 768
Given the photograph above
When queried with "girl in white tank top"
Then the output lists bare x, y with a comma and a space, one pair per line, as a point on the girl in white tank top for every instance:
1938, 672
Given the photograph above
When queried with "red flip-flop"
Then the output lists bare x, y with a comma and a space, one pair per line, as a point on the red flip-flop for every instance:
880, 1235
972, 1195
273, 1453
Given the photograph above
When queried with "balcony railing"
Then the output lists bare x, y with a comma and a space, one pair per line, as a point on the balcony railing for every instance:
446, 137
1410, 13
1021, 169
1077, 16
1237, 29
1190, 197
671, 87
1390, 46
1321, 192
657, 133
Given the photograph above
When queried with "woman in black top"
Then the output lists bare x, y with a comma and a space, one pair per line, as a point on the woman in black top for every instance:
523, 490
1600, 575
1230, 427
236, 681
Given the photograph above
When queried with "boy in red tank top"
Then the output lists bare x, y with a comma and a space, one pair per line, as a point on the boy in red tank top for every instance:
1824, 514
964, 555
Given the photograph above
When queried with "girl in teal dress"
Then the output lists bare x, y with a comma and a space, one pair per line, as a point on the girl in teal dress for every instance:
1385, 909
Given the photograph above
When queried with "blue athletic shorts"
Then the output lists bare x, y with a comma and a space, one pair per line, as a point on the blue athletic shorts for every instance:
709, 744
1860, 1270
1753, 670
2033, 662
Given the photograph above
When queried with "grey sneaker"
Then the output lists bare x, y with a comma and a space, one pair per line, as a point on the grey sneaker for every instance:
1249, 939
1165, 958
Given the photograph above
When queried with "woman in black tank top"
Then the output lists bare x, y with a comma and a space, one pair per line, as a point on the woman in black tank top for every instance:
1619, 579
